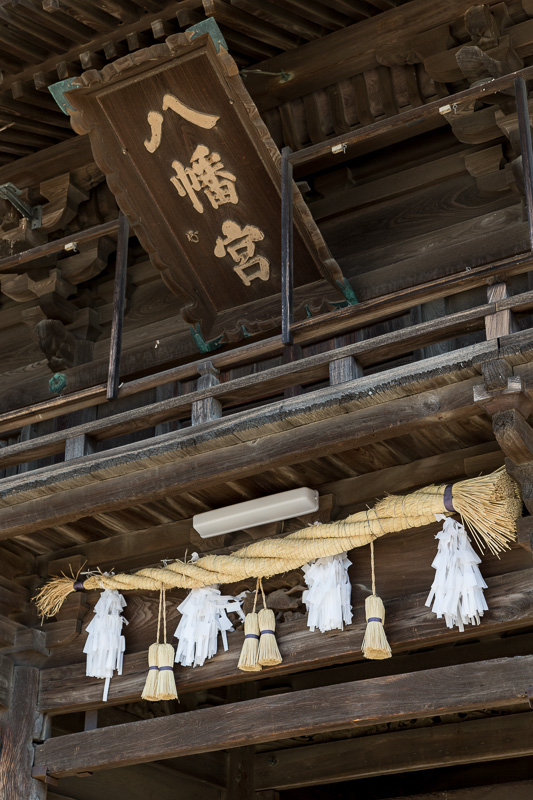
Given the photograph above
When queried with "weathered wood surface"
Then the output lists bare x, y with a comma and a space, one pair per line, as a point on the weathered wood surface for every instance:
364, 426
256, 386
18, 259
138, 783
19, 726
518, 790
314, 329
321, 153
134, 549
492, 684
432, 747
409, 624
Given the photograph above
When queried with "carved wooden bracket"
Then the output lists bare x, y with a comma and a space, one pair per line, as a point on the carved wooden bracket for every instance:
504, 399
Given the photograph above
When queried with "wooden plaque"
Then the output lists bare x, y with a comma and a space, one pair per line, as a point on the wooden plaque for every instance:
194, 169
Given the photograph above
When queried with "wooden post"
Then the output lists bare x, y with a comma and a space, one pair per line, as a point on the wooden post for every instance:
118, 308
343, 370
502, 322
209, 408
82, 445
20, 726
240, 777
286, 246
524, 129
292, 353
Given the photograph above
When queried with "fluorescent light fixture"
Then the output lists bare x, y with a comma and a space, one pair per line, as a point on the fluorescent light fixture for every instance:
272, 508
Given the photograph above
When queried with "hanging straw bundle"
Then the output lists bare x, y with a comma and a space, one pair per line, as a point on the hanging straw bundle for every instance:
489, 506
268, 655
150, 687
250, 648
160, 682
166, 683
375, 645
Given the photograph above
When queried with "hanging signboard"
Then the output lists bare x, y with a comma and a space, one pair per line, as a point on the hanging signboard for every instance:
194, 169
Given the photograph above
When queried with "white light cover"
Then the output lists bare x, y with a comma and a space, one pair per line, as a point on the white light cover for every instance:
272, 508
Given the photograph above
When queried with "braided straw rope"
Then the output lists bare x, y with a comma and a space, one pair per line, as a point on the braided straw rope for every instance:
489, 505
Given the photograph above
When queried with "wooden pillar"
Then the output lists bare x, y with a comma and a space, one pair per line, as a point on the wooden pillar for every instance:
20, 727
240, 772
209, 408
502, 322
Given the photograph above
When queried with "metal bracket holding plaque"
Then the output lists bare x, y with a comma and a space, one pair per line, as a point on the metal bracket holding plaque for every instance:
59, 90
9, 192
194, 169
210, 27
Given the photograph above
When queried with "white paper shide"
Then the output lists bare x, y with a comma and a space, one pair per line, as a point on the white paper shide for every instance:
457, 591
204, 615
105, 643
328, 598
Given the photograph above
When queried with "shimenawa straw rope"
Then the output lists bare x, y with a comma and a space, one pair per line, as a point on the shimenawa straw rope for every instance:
489, 506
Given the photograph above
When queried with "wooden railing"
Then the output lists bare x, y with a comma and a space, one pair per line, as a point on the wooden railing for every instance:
212, 398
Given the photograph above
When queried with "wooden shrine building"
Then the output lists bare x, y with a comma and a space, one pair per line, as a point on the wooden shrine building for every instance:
248, 246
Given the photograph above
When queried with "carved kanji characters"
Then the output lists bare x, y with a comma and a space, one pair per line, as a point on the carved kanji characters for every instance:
155, 120
239, 244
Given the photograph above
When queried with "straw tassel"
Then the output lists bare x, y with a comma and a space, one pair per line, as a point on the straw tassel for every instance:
268, 655
149, 691
375, 645
150, 686
166, 683
250, 647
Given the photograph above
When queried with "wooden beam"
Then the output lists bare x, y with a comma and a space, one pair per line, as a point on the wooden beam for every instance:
409, 625
139, 783
6, 680
119, 297
518, 790
15, 262
134, 549
487, 684
514, 435
17, 732
468, 462
342, 432
345, 53
307, 331
390, 753
206, 402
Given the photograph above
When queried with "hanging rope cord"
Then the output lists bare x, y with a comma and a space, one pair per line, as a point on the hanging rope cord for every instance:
489, 504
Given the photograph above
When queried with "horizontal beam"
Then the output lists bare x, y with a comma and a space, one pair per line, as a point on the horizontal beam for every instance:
311, 154
305, 332
337, 433
350, 51
135, 549
409, 625
518, 790
390, 753
467, 687
259, 385
18, 259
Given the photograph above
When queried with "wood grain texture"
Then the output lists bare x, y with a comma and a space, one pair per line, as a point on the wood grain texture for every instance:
409, 625
424, 748
18, 727
316, 439
492, 684
518, 790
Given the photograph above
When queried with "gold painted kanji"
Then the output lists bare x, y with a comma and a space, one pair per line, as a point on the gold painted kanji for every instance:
155, 120
239, 244
206, 174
